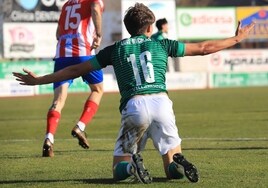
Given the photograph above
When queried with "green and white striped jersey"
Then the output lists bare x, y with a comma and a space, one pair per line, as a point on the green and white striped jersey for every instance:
140, 64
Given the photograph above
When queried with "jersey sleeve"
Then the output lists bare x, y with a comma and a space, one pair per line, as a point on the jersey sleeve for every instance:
103, 58
174, 48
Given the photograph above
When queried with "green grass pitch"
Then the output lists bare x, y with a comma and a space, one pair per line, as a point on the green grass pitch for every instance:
224, 132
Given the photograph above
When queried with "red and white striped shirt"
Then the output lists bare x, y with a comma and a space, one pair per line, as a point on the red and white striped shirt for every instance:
76, 28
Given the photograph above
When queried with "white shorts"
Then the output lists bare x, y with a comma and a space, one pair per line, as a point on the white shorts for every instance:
147, 116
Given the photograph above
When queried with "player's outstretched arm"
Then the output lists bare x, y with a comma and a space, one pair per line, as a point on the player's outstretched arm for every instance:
74, 71
212, 46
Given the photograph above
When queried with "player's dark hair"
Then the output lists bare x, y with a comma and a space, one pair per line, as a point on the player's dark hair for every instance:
159, 23
138, 18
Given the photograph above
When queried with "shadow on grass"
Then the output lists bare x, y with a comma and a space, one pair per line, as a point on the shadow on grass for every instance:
89, 181
59, 153
235, 148
83, 151
152, 149
85, 181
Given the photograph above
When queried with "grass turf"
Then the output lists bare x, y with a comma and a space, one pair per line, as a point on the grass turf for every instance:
224, 132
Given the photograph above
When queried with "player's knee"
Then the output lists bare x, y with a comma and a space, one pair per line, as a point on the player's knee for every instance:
98, 88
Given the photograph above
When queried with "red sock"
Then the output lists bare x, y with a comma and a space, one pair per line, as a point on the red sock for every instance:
90, 109
53, 118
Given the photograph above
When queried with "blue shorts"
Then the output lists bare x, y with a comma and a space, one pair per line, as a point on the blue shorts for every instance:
93, 77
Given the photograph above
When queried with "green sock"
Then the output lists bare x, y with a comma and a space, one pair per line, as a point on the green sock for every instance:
175, 171
121, 171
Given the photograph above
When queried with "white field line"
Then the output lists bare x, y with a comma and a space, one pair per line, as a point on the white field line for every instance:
109, 139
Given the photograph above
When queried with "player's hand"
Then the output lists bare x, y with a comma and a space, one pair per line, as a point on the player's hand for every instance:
243, 33
26, 79
96, 42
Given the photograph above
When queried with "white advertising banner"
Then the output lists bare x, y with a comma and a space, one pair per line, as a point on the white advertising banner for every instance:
161, 9
239, 61
205, 23
11, 88
189, 80
29, 40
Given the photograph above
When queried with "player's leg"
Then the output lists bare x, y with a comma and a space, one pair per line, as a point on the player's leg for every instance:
164, 134
95, 81
53, 117
127, 158
54, 113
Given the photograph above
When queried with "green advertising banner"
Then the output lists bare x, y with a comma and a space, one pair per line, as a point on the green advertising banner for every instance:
238, 79
39, 68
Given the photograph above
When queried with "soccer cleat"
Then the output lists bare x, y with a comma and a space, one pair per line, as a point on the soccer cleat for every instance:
48, 149
139, 171
190, 171
81, 136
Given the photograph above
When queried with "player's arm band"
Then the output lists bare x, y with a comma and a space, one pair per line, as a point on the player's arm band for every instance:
181, 49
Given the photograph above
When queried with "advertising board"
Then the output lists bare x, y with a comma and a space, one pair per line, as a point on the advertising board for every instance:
205, 23
257, 14
32, 11
9, 86
29, 40
186, 80
252, 60
221, 80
